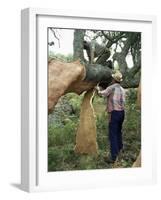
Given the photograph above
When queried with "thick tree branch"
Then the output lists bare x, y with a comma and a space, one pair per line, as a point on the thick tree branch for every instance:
97, 73
78, 44
121, 57
132, 78
112, 39
103, 57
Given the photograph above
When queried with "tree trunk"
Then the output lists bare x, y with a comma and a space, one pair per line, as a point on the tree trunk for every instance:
73, 77
139, 96
78, 44
61, 77
137, 163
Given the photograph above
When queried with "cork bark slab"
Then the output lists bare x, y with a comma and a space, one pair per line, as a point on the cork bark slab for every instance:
86, 133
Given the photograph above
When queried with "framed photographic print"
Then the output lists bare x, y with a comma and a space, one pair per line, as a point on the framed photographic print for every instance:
86, 108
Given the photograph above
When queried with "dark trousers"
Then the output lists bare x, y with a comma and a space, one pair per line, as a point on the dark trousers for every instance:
115, 132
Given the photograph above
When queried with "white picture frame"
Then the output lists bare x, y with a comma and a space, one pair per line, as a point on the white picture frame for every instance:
34, 174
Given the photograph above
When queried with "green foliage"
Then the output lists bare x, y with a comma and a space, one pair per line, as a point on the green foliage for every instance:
87, 162
131, 96
65, 58
75, 101
61, 136
102, 131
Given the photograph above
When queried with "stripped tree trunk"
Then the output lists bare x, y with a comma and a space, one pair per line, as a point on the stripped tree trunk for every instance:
61, 77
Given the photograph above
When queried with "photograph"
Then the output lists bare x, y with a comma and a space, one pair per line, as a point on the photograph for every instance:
94, 99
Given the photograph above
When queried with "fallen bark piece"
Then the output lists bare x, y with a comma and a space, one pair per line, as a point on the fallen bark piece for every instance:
137, 163
86, 134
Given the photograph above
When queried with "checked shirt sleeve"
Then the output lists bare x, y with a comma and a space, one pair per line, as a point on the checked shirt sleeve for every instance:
107, 91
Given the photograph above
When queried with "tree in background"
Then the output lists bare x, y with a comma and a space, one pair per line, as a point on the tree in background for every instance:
107, 47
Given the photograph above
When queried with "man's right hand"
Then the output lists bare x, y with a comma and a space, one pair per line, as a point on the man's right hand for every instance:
97, 88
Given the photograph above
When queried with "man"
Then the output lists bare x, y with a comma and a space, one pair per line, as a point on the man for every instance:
115, 107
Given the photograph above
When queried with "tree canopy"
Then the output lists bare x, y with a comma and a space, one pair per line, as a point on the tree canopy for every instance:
110, 47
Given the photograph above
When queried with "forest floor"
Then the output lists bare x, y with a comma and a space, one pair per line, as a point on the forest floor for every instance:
62, 126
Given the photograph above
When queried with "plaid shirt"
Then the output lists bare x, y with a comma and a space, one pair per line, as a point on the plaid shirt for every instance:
115, 97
